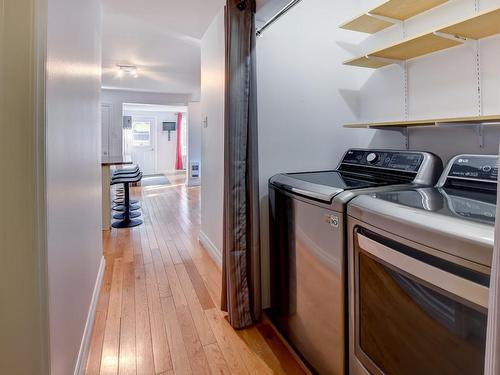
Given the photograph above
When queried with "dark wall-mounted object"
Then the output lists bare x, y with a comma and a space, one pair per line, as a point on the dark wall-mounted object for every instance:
127, 122
170, 126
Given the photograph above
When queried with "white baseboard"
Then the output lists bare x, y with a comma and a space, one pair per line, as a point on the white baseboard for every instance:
89, 325
192, 182
212, 250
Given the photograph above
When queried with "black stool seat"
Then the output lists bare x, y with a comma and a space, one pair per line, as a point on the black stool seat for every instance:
126, 220
128, 172
128, 178
134, 168
120, 202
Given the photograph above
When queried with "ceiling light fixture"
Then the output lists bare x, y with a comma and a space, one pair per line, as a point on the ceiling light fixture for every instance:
127, 70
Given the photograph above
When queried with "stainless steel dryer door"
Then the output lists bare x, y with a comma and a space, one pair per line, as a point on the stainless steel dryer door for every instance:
309, 307
416, 313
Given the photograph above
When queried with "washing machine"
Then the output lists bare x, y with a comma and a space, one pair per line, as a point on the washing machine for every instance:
308, 246
419, 271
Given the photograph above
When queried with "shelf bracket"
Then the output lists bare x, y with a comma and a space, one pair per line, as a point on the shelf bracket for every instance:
384, 18
403, 130
480, 135
401, 63
478, 128
456, 38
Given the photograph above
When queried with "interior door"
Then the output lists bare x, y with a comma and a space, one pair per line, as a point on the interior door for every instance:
105, 129
142, 144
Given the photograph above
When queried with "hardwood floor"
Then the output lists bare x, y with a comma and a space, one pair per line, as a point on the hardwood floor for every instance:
158, 308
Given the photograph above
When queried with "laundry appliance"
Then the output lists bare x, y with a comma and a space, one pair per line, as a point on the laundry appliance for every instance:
308, 246
419, 272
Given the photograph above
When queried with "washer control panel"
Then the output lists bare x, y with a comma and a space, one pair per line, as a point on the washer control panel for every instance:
395, 160
475, 167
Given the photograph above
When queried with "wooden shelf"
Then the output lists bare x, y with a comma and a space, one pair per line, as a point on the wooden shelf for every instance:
366, 24
397, 10
426, 122
479, 26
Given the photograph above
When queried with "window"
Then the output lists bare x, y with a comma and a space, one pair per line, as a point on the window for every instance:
141, 133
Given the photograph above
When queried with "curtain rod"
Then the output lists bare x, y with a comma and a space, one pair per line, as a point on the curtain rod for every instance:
277, 16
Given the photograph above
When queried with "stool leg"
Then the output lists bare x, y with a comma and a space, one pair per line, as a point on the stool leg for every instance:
127, 201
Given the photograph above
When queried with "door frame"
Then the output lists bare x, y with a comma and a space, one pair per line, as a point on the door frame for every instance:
110, 133
153, 134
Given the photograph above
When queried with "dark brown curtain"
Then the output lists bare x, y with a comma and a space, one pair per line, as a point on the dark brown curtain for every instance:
241, 293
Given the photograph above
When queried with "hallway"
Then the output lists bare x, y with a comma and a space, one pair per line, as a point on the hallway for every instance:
158, 311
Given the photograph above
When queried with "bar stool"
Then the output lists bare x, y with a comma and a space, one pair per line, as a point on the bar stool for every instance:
119, 196
124, 171
120, 205
127, 221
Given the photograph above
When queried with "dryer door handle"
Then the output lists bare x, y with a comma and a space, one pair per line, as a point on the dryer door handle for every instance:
436, 277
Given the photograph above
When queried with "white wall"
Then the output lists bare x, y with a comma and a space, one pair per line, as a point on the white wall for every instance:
212, 145
22, 319
73, 176
194, 140
305, 95
165, 149
116, 98
443, 84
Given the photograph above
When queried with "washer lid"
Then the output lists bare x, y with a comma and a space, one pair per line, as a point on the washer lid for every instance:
322, 186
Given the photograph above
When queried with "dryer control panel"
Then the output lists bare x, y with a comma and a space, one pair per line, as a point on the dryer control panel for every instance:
475, 167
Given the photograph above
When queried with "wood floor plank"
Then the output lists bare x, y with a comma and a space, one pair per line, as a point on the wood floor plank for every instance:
180, 357
144, 348
127, 360
200, 320
161, 276
174, 253
136, 241
126, 246
198, 283
161, 352
111, 343
110, 348
116, 293
199, 362
216, 361
95, 351
229, 351
177, 290
103, 301
146, 249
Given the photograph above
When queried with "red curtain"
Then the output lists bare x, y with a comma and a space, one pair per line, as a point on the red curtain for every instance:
179, 165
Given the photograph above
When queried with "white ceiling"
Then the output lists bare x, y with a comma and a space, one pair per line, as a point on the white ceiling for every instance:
161, 37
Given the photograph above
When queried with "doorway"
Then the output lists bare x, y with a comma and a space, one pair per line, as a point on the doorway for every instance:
155, 138
140, 141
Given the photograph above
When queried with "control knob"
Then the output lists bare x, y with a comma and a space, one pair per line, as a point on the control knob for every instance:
372, 158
